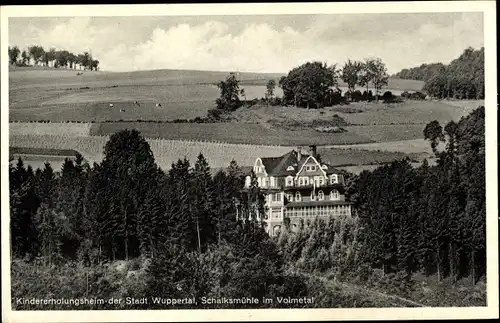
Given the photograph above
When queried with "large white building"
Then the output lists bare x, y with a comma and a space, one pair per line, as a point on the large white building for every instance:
298, 186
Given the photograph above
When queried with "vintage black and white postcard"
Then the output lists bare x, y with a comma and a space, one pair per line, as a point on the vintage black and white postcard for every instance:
228, 162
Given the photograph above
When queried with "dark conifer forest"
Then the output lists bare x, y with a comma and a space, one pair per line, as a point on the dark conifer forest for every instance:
125, 228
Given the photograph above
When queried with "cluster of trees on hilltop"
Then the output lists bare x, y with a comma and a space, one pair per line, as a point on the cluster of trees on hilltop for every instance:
37, 55
371, 71
311, 85
463, 78
314, 84
429, 219
229, 99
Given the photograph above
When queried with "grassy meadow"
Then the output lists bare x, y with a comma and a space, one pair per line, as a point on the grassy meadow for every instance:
375, 132
246, 133
62, 95
353, 157
407, 146
408, 112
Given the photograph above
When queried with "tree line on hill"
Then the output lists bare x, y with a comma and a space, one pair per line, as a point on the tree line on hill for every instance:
311, 85
462, 78
110, 210
316, 85
188, 224
37, 55
421, 73
429, 219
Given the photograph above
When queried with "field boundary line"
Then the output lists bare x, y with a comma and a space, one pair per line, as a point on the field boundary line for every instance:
39, 155
217, 142
214, 142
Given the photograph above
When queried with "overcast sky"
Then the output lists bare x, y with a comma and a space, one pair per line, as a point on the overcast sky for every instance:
255, 43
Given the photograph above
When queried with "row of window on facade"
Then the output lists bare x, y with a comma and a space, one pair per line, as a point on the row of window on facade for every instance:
321, 210
297, 197
318, 211
290, 181
308, 168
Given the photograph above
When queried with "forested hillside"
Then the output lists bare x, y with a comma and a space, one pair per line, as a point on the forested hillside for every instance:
177, 232
428, 221
421, 73
463, 78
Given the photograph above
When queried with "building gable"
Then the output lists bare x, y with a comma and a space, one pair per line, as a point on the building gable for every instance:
259, 168
305, 169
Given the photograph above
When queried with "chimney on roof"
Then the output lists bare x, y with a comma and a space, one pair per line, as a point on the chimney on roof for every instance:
299, 153
312, 150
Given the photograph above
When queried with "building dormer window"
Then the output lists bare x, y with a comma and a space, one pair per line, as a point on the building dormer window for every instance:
289, 181
334, 195
321, 196
290, 168
324, 167
297, 197
334, 179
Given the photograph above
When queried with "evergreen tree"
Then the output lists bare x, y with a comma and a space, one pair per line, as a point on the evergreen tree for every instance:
49, 234
24, 204
206, 218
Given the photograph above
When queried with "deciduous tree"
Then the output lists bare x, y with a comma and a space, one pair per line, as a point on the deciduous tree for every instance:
351, 74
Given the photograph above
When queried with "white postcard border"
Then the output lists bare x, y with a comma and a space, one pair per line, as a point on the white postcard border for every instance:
490, 311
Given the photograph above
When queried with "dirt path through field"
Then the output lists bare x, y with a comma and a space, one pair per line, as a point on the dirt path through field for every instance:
366, 290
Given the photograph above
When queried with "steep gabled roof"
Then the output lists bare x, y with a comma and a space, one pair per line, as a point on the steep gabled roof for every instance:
270, 163
285, 161
277, 166
329, 171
